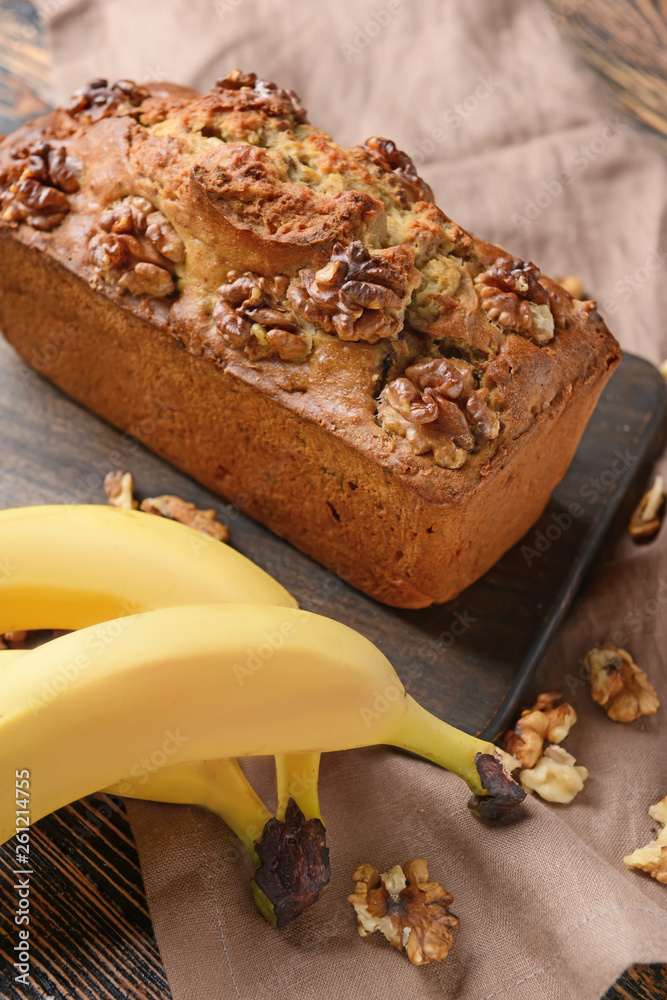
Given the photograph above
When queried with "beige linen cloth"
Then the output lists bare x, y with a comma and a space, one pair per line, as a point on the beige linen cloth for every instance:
522, 144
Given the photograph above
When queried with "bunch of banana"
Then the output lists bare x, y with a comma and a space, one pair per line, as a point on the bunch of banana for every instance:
260, 677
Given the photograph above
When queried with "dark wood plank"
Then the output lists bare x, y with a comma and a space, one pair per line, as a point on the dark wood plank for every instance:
90, 932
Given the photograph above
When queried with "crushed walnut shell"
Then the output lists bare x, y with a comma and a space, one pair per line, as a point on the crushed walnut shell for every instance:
358, 295
99, 99
513, 298
653, 857
137, 248
176, 509
411, 912
437, 407
546, 720
251, 313
34, 188
646, 518
555, 777
119, 488
619, 685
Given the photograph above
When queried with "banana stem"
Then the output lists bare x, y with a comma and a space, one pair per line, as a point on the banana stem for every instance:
424, 734
297, 776
218, 785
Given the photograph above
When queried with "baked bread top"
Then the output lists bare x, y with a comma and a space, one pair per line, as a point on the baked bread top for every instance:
326, 277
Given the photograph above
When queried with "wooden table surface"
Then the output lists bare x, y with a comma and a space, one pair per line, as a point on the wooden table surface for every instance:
85, 854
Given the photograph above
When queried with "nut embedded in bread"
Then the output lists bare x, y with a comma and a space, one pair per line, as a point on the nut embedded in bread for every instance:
403, 380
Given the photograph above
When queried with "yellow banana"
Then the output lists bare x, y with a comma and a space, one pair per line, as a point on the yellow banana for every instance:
69, 567
218, 681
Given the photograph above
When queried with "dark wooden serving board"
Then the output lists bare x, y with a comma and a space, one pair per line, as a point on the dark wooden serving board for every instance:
468, 661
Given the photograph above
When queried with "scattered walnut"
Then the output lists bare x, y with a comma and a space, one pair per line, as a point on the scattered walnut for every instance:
573, 285
555, 777
176, 509
119, 488
619, 685
358, 295
34, 188
252, 314
438, 408
546, 720
99, 99
137, 248
411, 912
653, 857
512, 296
646, 520
385, 154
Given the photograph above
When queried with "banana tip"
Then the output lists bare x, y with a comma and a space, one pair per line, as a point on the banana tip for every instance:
504, 793
294, 867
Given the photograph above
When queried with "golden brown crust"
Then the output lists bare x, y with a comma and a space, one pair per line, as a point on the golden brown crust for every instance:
317, 278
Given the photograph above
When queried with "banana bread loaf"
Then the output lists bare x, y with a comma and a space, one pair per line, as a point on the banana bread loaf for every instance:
296, 325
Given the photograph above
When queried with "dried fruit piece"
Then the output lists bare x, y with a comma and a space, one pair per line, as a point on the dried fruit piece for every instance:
411, 912
619, 685
173, 507
653, 857
646, 519
546, 720
555, 777
119, 488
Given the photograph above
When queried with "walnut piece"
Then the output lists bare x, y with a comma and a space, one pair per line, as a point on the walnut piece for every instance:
385, 154
358, 295
573, 285
119, 488
546, 720
269, 97
653, 857
646, 518
619, 685
34, 188
176, 509
438, 408
251, 313
512, 296
98, 99
555, 777
411, 912
137, 248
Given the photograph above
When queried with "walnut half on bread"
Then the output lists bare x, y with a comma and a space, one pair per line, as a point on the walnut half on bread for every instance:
296, 325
